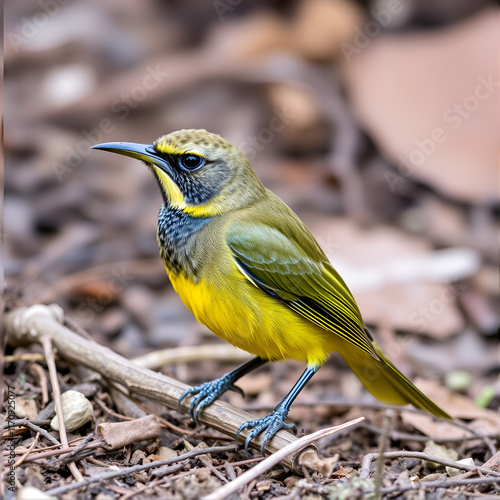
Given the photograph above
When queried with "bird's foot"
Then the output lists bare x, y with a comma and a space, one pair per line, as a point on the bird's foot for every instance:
205, 394
271, 423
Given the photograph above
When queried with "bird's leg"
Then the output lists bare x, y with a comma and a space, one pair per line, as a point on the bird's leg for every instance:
208, 392
275, 420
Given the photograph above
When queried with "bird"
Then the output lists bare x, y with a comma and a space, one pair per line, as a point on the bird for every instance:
247, 267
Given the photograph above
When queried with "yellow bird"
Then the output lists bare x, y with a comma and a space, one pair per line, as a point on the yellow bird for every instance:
246, 266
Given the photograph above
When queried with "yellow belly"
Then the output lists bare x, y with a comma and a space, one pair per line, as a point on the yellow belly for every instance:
241, 314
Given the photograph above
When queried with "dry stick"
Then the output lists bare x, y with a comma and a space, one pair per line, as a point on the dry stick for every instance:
36, 455
48, 448
265, 465
81, 446
30, 449
137, 468
25, 356
208, 464
407, 436
365, 468
31, 324
439, 483
56, 392
38, 370
188, 354
384, 437
24, 422
489, 443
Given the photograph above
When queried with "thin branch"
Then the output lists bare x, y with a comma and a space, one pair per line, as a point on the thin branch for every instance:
24, 422
56, 392
128, 471
30, 449
189, 354
38, 370
367, 460
384, 438
36, 455
408, 436
440, 483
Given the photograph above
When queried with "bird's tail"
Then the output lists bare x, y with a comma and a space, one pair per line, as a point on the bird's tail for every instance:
387, 383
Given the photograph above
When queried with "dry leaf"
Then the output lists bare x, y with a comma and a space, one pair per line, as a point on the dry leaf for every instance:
429, 100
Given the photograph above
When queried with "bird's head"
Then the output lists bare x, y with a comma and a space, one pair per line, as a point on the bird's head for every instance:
198, 172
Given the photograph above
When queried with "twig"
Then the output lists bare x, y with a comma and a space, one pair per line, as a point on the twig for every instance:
30, 324
487, 440
80, 447
24, 356
384, 438
51, 364
265, 465
137, 468
24, 422
189, 354
208, 464
111, 412
53, 453
407, 436
38, 370
30, 449
367, 460
440, 483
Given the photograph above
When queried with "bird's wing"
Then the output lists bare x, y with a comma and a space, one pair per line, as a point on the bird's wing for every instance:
277, 264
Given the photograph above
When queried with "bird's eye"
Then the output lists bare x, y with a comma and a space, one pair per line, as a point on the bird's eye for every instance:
191, 162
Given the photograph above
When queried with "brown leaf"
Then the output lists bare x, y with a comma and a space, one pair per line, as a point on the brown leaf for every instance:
429, 101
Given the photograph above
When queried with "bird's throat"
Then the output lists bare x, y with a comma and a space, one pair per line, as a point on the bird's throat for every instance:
175, 235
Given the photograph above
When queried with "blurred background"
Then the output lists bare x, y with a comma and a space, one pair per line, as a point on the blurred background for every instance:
376, 121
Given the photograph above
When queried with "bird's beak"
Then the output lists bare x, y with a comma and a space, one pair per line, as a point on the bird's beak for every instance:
143, 152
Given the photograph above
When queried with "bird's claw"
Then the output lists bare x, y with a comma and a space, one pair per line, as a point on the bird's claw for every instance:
271, 423
205, 394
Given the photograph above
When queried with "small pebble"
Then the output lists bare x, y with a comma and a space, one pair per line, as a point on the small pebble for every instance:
438, 451
452, 472
77, 411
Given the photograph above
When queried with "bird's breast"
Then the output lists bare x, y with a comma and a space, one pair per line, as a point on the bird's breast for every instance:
241, 314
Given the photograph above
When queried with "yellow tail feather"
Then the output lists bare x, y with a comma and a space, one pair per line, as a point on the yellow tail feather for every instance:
387, 383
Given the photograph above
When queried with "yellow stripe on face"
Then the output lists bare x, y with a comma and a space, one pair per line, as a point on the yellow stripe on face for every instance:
172, 191
176, 198
205, 210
